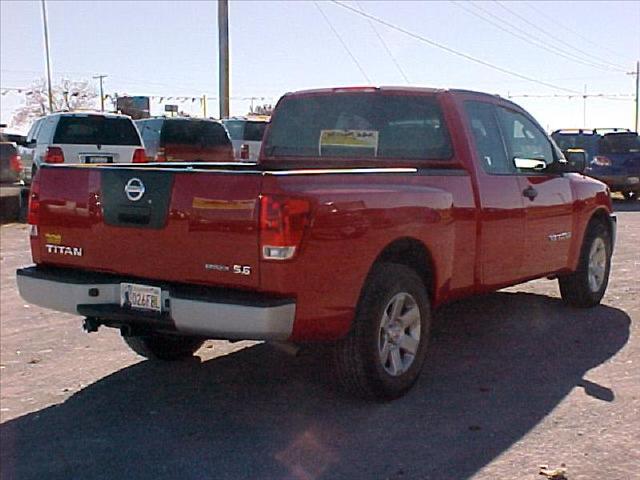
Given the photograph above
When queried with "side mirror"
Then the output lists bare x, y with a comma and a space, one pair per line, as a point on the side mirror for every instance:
576, 160
529, 164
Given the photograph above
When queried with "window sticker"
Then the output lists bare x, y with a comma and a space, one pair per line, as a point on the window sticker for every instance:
338, 139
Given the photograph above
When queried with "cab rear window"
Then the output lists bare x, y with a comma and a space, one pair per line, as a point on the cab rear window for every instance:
96, 130
359, 125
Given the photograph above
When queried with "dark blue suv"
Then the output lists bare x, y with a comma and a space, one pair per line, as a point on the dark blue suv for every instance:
613, 156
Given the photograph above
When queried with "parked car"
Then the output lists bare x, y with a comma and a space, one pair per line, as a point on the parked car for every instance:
81, 138
10, 164
246, 135
368, 209
613, 156
185, 140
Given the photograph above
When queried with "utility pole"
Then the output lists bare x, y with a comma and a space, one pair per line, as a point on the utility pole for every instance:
47, 55
637, 93
101, 77
584, 108
223, 54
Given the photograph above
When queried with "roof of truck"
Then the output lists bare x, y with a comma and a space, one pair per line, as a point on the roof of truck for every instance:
387, 89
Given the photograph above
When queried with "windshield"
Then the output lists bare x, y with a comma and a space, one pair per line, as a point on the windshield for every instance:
96, 130
359, 125
620, 143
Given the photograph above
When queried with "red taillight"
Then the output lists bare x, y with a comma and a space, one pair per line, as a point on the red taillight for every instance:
139, 156
15, 163
54, 155
601, 161
33, 217
244, 152
283, 221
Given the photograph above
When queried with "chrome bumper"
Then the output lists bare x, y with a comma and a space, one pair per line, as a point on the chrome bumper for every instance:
239, 316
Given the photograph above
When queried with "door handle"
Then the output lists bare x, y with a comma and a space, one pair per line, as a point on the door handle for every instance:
530, 193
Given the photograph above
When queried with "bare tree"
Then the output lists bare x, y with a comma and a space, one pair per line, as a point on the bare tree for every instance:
68, 95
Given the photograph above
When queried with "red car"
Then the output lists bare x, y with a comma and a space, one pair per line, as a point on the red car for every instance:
368, 209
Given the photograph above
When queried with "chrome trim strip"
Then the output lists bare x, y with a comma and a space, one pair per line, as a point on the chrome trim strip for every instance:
312, 171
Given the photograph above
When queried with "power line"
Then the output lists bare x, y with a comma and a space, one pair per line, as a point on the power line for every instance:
565, 27
386, 47
605, 96
557, 39
355, 60
535, 42
451, 50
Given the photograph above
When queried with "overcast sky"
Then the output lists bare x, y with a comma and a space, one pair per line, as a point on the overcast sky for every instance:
169, 49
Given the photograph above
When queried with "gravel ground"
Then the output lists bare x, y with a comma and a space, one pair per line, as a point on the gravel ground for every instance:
514, 380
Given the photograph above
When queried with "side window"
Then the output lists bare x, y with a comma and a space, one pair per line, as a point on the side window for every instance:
150, 132
45, 133
33, 131
486, 134
524, 139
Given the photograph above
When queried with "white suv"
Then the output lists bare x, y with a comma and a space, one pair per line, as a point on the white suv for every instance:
246, 136
82, 138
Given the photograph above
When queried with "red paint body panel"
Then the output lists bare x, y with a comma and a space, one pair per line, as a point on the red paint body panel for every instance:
479, 231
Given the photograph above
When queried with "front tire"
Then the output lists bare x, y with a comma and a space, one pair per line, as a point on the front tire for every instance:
630, 196
381, 358
163, 347
586, 286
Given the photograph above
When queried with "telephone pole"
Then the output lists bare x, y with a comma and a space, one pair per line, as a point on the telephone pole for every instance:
223, 54
47, 54
101, 77
637, 93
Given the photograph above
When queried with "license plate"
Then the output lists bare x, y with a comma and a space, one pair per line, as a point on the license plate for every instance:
141, 297
633, 180
98, 159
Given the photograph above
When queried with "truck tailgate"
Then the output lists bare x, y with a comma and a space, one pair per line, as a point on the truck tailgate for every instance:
184, 227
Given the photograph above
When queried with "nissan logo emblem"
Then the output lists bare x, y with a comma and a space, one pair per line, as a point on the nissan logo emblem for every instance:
134, 189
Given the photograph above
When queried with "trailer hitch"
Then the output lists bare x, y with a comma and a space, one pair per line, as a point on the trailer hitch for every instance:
91, 324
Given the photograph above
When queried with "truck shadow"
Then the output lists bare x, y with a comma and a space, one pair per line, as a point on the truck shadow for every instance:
498, 365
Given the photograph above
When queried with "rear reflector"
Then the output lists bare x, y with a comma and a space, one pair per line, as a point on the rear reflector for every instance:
54, 155
161, 156
15, 164
244, 152
601, 161
33, 217
283, 221
139, 156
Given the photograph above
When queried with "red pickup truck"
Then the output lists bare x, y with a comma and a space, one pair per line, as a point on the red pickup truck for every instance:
368, 209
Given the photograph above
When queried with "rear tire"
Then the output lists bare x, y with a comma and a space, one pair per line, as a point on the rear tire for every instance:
382, 356
163, 347
586, 286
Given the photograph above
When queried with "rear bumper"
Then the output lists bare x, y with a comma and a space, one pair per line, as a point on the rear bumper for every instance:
189, 310
621, 182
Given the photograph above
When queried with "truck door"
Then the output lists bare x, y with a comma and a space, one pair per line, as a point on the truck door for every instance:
502, 220
547, 197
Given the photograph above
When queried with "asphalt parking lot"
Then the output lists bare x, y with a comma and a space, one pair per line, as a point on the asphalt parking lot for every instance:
514, 380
